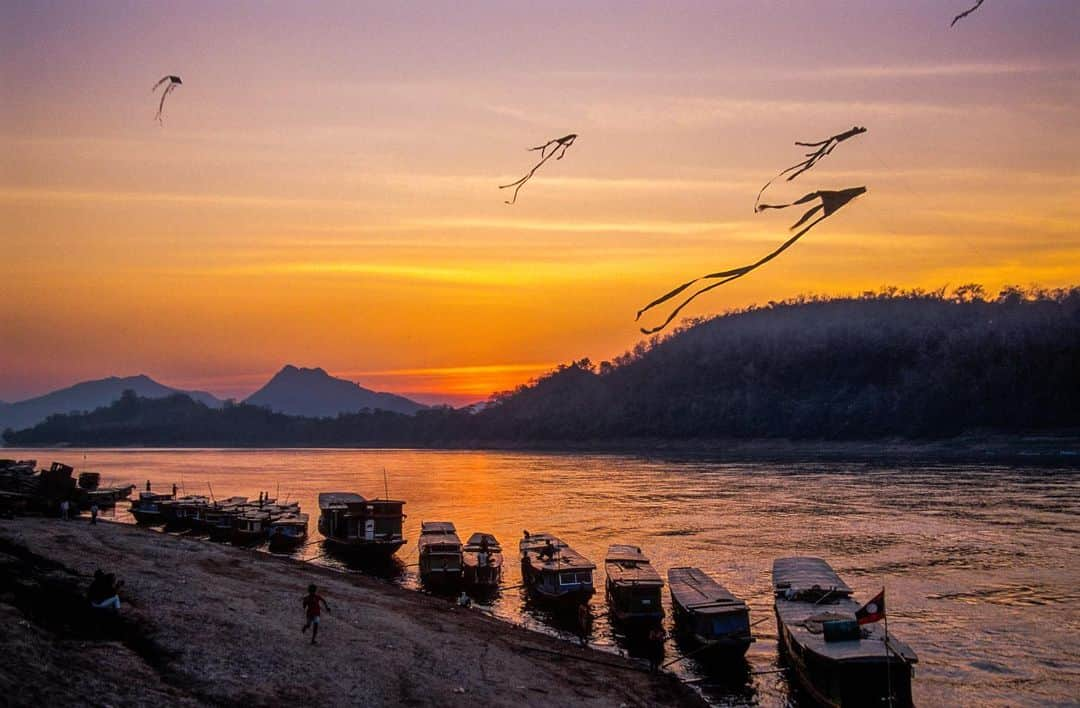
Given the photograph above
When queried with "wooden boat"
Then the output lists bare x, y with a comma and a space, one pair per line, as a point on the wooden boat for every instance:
552, 570
837, 661
147, 508
632, 585
220, 517
288, 531
251, 526
440, 553
183, 512
482, 561
351, 523
705, 610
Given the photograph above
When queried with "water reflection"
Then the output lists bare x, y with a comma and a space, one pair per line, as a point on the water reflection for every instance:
980, 562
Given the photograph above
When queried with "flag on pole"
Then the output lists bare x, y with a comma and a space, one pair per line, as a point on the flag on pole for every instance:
873, 611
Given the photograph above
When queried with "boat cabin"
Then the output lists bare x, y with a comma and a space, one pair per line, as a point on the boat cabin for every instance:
553, 570
440, 552
482, 559
350, 520
633, 586
708, 611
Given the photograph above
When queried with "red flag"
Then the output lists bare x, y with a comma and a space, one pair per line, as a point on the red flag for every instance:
873, 611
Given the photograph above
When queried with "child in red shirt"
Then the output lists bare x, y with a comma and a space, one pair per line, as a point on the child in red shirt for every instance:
313, 604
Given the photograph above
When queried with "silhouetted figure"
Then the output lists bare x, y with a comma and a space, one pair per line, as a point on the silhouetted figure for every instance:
831, 202
967, 12
172, 82
313, 604
93, 513
174, 489
464, 600
65, 505
548, 551
656, 648
824, 147
584, 615
558, 145
104, 591
148, 485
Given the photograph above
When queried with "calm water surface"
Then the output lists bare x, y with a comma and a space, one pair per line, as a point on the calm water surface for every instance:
980, 563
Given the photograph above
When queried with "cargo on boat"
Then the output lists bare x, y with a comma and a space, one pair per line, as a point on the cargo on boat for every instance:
552, 570
440, 553
836, 660
706, 611
288, 531
482, 561
353, 524
633, 586
147, 508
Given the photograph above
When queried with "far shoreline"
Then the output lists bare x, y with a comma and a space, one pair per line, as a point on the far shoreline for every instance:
1059, 449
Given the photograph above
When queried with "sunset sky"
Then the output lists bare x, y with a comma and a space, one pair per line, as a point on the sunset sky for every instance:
323, 191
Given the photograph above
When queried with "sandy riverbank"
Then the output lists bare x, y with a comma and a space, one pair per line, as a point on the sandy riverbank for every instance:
207, 623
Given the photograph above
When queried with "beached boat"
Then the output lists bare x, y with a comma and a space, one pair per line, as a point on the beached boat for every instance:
482, 561
220, 517
147, 508
837, 661
440, 553
706, 611
184, 512
251, 526
288, 531
632, 585
552, 570
351, 523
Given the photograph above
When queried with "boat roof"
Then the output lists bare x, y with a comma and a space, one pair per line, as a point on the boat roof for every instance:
629, 554
694, 589
339, 500
627, 565
566, 558
806, 573
437, 527
291, 519
478, 537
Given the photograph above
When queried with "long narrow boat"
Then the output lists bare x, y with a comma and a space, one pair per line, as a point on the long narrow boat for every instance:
440, 553
482, 561
251, 526
288, 531
147, 508
552, 570
708, 612
837, 661
633, 586
351, 523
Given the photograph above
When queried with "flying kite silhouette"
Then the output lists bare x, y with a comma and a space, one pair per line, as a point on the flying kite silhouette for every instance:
824, 147
831, 202
173, 82
558, 145
967, 12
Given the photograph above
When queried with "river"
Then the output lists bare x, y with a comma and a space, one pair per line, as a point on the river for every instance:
980, 563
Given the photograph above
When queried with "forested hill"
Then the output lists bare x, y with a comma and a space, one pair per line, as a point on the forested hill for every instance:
889, 364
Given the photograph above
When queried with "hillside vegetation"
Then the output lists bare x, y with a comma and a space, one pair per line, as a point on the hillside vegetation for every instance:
888, 364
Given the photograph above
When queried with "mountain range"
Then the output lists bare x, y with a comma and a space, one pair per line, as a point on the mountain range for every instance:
293, 390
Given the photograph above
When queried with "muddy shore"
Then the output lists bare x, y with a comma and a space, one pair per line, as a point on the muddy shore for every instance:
206, 623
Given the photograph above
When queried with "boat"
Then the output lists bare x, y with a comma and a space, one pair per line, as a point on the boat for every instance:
351, 523
220, 517
706, 611
552, 570
632, 585
837, 661
440, 553
147, 508
288, 531
482, 561
89, 480
184, 512
251, 526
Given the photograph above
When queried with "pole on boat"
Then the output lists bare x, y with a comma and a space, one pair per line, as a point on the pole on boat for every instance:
386, 485
211, 488
888, 659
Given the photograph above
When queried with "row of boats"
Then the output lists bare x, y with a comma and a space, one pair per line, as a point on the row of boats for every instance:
837, 660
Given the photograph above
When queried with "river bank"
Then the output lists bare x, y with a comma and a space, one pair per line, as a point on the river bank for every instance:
206, 623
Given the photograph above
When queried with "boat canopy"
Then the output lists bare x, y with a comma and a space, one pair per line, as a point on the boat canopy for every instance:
694, 590
806, 573
476, 539
437, 527
627, 565
339, 500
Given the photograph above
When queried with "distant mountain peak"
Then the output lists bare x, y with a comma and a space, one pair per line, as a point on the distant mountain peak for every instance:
314, 393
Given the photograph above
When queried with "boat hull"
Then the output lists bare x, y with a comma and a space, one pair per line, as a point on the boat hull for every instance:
363, 548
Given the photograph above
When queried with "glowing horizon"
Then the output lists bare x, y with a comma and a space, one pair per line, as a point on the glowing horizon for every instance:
323, 190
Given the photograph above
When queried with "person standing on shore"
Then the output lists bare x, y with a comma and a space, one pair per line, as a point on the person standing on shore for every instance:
93, 513
313, 603
656, 648
584, 622
64, 509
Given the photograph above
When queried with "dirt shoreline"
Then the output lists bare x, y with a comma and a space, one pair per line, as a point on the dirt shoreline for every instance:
207, 623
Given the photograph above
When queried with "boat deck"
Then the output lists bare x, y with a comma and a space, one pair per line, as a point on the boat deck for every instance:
693, 589
565, 557
627, 565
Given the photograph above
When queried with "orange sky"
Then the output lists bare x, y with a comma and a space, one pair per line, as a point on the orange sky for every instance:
323, 190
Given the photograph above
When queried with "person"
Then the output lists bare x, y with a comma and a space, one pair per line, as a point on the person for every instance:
64, 509
656, 648
93, 513
548, 551
464, 600
584, 617
104, 592
174, 489
313, 603
148, 485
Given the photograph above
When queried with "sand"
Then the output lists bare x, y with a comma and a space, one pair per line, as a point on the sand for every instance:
207, 623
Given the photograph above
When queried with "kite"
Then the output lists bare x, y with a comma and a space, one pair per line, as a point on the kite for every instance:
564, 143
831, 202
174, 81
824, 147
966, 12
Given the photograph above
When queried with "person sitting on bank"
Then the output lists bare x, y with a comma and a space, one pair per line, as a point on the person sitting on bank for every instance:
104, 591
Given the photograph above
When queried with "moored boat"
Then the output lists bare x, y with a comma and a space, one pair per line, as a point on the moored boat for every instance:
632, 585
147, 508
705, 610
184, 512
482, 561
552, 570
440, 553
360, 526
251, 526
288, 531
838, 661
220, 517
